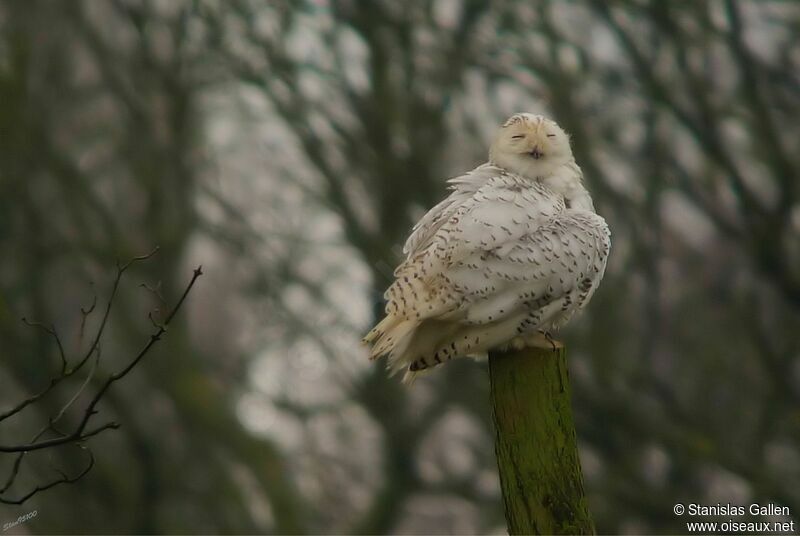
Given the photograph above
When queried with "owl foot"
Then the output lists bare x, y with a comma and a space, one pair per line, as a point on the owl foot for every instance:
556, 345
543, 339
538, 339
516, 344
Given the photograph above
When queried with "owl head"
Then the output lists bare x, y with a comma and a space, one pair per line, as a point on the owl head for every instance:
530, 145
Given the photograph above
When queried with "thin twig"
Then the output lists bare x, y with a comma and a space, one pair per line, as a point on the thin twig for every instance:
80, 390
66, 371
51, 330
83, 431
85, 313
156, 291
64, 479
79, 433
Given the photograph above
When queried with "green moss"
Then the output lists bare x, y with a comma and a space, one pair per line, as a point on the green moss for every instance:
537, 453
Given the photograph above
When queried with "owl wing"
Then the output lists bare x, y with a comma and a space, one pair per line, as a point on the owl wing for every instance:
559, 263
503, 209
534, 281
464, 187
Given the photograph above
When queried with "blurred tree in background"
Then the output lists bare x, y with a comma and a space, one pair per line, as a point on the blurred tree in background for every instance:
289, 146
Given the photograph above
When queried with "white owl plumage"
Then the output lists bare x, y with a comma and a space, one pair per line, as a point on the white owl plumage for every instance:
511, 254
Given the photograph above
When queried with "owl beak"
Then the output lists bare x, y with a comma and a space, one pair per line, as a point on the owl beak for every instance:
536, 153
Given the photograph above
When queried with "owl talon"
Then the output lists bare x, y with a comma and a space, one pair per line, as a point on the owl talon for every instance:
556, 345
517, 343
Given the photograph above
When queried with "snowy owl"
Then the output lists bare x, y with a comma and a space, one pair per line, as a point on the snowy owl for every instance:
509, 256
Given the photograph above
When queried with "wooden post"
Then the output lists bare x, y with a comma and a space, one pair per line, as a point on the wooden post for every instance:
537, 452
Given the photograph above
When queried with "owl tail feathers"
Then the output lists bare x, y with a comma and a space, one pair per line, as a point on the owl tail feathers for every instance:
391, 336
411, 375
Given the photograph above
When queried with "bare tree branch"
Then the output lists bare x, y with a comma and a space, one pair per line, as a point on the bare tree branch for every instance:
65, 371
64, 479
82, 431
